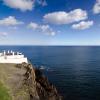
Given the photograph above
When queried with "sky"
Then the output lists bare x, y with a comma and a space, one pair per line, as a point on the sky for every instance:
49, 22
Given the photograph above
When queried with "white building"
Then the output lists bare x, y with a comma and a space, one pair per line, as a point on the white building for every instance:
12, 57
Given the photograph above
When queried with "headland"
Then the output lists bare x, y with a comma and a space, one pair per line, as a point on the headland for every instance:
25, 82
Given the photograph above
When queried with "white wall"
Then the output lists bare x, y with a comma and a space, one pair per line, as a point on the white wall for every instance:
16, 61
15, 56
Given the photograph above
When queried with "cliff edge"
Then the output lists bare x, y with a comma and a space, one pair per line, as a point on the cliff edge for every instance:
25, 82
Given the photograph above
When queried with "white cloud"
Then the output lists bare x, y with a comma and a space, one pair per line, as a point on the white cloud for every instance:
23, 5
13, 27
42, 28
82, 25
96, 8
42, 2
33, 26
3, 34
10, 21
98, 1
62, 17
47, 29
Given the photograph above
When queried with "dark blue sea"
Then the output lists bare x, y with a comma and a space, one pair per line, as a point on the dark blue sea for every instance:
74, 70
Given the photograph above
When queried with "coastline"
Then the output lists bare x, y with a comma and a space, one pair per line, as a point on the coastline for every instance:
25, 82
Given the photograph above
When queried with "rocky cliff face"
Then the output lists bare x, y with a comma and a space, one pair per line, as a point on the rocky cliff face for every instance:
38, 85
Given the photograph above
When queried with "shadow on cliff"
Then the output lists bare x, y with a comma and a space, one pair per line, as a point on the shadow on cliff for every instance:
38, 85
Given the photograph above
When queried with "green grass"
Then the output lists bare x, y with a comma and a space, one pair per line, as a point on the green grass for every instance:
4, 95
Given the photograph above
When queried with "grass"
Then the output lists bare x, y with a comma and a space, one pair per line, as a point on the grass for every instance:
4, 95
12, 79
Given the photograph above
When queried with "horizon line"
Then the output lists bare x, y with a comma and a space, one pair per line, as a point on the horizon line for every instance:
43, 45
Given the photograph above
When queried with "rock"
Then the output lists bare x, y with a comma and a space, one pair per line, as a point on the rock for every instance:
38, 85
25, 82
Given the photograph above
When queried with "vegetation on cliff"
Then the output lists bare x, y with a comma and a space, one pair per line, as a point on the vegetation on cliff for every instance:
4, 95
25, 82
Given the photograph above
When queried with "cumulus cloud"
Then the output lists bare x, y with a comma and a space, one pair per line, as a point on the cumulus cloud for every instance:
82, 25
23, 5
47, 29
33, 26
63, 17
42, 2
96, 8
10, 21
43, 28
3, 34
98, 0
13, 27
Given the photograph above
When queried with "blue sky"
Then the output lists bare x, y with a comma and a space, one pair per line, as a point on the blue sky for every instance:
49, 22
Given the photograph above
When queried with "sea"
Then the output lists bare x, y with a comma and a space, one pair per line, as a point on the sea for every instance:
74, 70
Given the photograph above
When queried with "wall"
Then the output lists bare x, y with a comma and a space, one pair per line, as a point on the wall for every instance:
12, 60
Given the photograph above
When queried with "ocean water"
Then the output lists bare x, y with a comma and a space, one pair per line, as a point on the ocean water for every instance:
74, 70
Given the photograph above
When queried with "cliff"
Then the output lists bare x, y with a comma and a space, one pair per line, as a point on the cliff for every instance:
25, 82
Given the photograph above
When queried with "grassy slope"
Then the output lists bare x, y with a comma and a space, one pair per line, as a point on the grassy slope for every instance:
4, 95
12, 78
